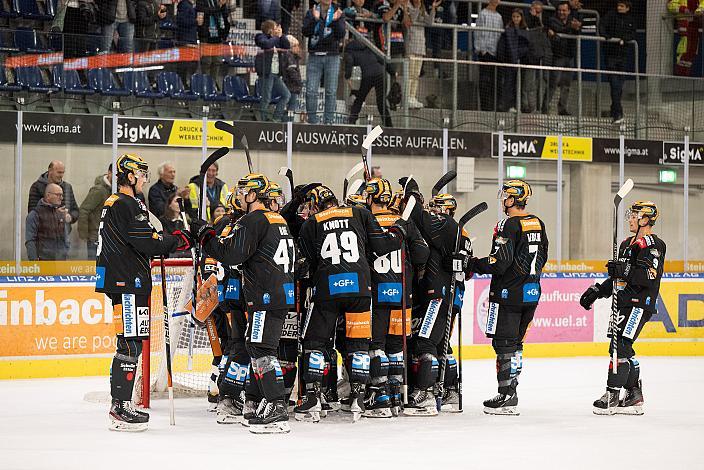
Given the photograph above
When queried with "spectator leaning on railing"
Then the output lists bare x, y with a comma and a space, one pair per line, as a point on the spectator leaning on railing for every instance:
55, 174
269, 68
485, 44
395, 13
149, 14
91, 209
618, 27
214, 30
323, 26
563, 54
187, 23
46, 227
539, 53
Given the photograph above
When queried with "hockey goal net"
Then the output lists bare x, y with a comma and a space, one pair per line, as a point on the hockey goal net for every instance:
190, 348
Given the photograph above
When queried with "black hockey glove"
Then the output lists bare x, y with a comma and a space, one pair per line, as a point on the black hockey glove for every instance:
185, 241
412, 189
589, 297
455, 263
202, 231
618, 269
399, 228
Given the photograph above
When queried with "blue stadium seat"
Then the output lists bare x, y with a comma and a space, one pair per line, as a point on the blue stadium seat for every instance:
30, 78
69, 81
258, 92
26, 40
5, 84
7, 9
138, 84
30, 10
6, 42
171, 85
235, 87
204, 86
102, 81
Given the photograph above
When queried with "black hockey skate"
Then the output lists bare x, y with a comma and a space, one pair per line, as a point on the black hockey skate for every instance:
632, 403
251, 409
356, 401
124, 417
421, 403
607, 404
395, 398
377, 403
273, 419
330, 400
451, 401
310, 408
502, 404
229, 411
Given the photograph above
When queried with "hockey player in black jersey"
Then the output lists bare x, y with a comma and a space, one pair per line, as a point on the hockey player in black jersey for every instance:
383, 397
336, 241
519, 252
126, 243
439, 230
637, 274
261, 243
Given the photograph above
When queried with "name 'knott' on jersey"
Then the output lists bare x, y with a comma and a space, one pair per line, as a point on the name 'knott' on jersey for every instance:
259, 241
519, 252
335, 243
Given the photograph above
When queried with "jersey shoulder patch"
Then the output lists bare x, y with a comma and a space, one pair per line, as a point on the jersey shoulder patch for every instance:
111, 200
333, 213
645, 241
274, 218
531, 224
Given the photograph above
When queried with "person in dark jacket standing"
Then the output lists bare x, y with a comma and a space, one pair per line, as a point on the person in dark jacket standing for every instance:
164, 188
324, 28
535, 82
357, 54
619, 28
46, 230
290, 64
272, 43
564, 50
512, 49
214, 30
187, 24
120, 16
149, 14
91, 207
55, 174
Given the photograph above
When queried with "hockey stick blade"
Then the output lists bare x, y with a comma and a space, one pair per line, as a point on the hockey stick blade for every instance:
244, 143
371, 137
215, 156
443, 181
354, 187
623, 192
354, 170
410, 205
286, 171
230, 129
472, 213
225, 127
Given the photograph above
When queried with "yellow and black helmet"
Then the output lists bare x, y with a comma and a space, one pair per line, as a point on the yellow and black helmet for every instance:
644, 209
253, 182
444, 201
131, 163
395, 203
379, 189
320, 195
233, 204
275, 193
519, 190
356, 200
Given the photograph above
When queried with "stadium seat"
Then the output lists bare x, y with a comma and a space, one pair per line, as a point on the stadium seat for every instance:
171, 85
257, 91
138, 84
236, 88
6, 42
7, 9
102, 81
29, 9
26, 40
5, 84
30, 78
204, 86
69, 81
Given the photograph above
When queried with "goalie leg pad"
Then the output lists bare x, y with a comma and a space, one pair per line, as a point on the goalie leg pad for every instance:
359, 367
379, 366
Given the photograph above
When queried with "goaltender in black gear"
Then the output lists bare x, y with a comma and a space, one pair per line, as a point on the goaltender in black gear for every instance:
126, 243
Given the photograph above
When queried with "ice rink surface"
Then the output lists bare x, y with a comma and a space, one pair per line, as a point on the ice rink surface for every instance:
46, 424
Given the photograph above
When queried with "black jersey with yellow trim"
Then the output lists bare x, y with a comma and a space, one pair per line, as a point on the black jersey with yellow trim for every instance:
126, 243
519, 252
261, 243
337, 243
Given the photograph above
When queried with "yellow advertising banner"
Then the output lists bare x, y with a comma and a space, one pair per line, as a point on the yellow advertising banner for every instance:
54, 319
189, 133
599, 266
680, 312
573, 148
48, 268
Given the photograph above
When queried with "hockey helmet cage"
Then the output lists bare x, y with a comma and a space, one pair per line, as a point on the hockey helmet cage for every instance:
444, 201
644, 209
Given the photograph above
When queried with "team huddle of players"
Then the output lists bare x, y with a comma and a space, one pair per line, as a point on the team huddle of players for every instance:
377, 278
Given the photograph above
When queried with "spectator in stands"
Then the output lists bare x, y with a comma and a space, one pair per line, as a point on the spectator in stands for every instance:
324, 28
171, 218
288, 8
563, 54
214, 30
268, 65
618, 27
149, 14
161, 190
215, 191
55, 174
187, 23
535, 82
46, 228
120, 16
419, 18
376, 172
587, 22
219, 211
485, 44
291, 66
268, 10
80, 19
91, 209
512, 49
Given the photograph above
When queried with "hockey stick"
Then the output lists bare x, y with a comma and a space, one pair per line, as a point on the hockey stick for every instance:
404, 318
443, 181
469, 215
620, 195
284, 170
366, 145
354, 187
167, 344
353, 171
230, 129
